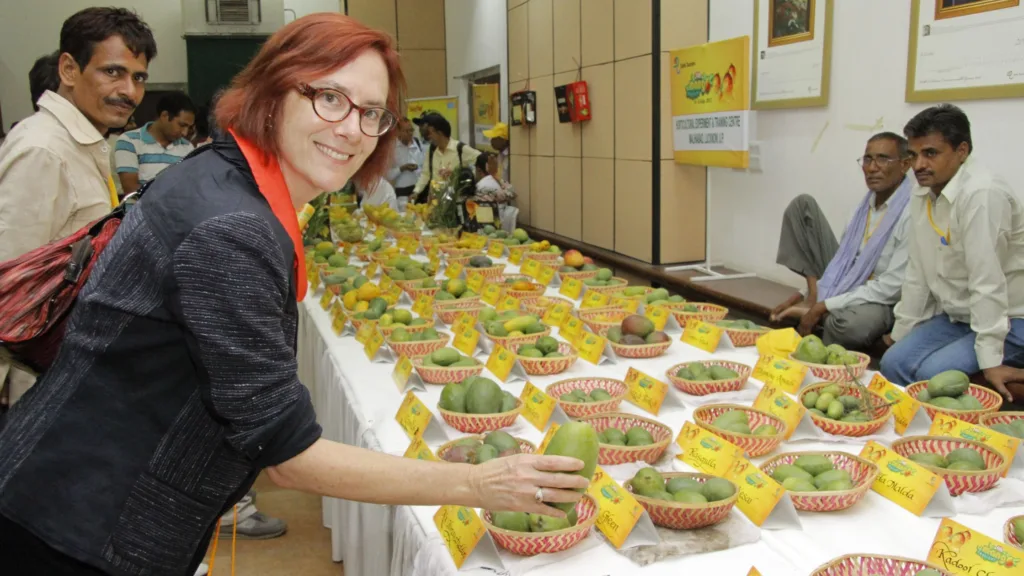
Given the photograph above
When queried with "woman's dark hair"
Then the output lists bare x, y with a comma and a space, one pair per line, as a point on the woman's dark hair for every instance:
481, 161
175, 103
86, 28
43, 76
945, 119
439, 123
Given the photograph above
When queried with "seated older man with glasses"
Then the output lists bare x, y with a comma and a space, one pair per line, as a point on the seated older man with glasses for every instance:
852, 285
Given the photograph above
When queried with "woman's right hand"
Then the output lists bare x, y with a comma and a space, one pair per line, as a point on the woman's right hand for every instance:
510, 484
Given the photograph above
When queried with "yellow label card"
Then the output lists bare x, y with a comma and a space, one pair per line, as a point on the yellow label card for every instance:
461, 529
424, 305
409, 244
466, 341
531, 267
380, 232
418, 450
776, 402
453, 271
700, 334
545, 275
783, 374
658, 316
325, 300
629, 304
905, 407
475, 281
500, 362
491, 294
337, 309
753, 572
434, 253
645, 392
595, 300
435, 263
946, 425
705, 451
547, 438
373, 344
537, 406
338, 325
591, 347
556, 315
385, 283
394, 292
960, 550
314, 278
908, 484
571, 329
463, 321
759, 494
363, 334
480, 242
515, 255
508, 303
371, 270
619, 510
403, 370
571, 288
413, 416
496, 250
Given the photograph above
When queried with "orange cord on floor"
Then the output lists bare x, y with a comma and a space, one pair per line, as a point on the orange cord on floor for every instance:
216, 538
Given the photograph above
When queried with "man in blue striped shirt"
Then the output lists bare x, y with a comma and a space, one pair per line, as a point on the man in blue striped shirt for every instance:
142, 154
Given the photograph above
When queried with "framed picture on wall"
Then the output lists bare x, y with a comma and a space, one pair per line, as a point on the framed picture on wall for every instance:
793, 53
964, 50
790, 21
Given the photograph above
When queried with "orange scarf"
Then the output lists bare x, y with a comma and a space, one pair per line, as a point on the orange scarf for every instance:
270, 181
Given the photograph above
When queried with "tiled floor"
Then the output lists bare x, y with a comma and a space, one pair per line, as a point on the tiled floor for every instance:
304, 550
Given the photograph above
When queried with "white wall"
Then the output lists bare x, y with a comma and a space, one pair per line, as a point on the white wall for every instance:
303, 7
475, 33
869, 61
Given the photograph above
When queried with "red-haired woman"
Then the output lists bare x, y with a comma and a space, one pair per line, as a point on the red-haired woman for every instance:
176, 383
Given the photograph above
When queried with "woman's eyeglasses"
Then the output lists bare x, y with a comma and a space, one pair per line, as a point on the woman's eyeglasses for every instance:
334, 106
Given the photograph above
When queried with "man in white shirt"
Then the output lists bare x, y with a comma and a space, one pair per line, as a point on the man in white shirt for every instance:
407, 162
852, 285
444, 156
382, 194
963, 296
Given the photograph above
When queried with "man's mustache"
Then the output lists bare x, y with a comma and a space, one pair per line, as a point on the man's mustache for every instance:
124, 101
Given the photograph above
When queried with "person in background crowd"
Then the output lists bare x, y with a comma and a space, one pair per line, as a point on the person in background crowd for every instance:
489, 186
444, 156
143, 153
860, 277
43, 76
499, 141
55, 166
963, 296
112, 135
200, 135
381, 193
408, 161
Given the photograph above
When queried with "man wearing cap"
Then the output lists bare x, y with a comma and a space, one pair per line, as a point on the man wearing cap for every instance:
499, 141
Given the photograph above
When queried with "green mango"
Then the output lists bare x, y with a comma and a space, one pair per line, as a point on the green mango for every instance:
1006, 429
730, 417
689, 497
483, 397
614, 434
968, 455
547, 344
483, 453
799, 485
947, 403
578, 440
971, 403
637, 436
681, 484
600, 395
814, 464
453, 398
766, 430
810, 399
784, 472
951, 383
965, 466
929, 459
722, 373
684, 373
541, 523
508, 401
717, 489
823, 479
812, 350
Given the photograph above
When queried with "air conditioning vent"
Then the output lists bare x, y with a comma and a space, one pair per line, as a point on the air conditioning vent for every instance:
244, 12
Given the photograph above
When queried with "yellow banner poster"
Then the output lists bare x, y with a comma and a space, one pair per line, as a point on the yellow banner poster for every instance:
486, 113
711, 103
447, 106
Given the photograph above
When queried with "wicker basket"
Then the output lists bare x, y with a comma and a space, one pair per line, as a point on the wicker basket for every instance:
754, 446
533, 543
617, 389
545, 257
958, 481
874, 565
862, 472
705, 312
550, 366
454, 252
640, 351
990, 399
421, 348
1000, 418
838, 373
1008, 535
610, 454
880, 413
446, 374
703, 388
540, 304
642, 297
525, 446
448, 315
684, 516
415, 291
580, 275
744, 338
481, 423
460, 260
592, 317
619, 284
521, 295
387, 330
513, 342
488, 272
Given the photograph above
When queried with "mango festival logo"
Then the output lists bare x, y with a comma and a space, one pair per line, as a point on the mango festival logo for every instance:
645, 383
782, 402
703, 86
703, 329
781, 365
464, 516
756, 480
901, 467
996, 554
611, 493
711, 443
976, 434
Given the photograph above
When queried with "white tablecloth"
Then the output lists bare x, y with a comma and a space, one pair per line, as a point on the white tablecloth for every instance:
356, 402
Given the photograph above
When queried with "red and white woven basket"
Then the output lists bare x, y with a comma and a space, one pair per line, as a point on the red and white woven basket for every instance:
703, 388
640, 351
862, 472
599, 320
838, 373
489, 272
525, 446
448, 314
480, 423
446, 374
610, 454
578, 275
868, 565
616, 388
617, 284
753, 445
879, 415
521, 295
705, 312
513, 342
550, 366
1008, 534
420, 348
540, 304
990, 399
684, 516
533, 543
958, 481
744, 338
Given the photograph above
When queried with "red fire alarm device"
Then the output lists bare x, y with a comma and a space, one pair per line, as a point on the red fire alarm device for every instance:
573, 102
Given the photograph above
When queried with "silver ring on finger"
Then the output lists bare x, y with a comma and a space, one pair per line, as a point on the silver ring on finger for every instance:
539, 496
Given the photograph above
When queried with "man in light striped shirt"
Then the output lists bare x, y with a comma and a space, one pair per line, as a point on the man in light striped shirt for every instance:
142, 154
